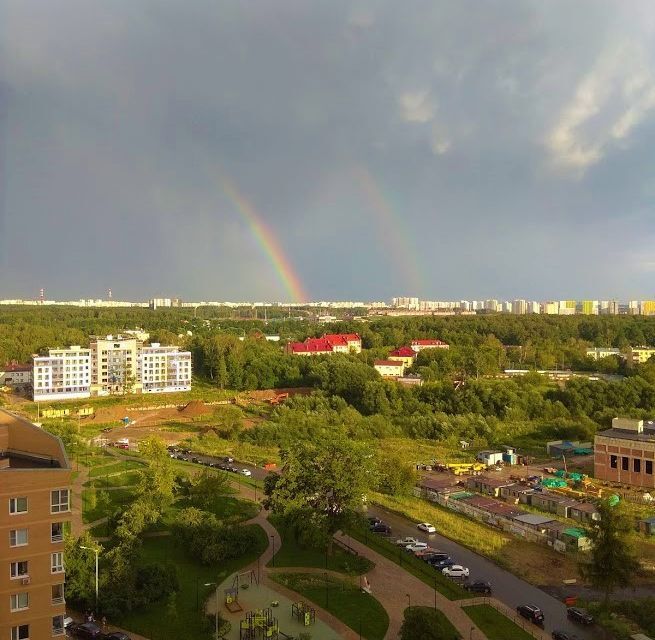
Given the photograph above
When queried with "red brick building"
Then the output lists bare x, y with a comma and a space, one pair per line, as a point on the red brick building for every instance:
626, 453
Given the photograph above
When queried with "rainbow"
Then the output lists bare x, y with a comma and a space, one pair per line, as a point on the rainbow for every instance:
392, 230
267, 241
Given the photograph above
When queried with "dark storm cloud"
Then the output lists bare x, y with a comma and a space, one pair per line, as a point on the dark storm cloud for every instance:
500, 134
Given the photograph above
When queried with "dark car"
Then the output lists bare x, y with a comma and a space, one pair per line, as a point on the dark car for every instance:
373, 520
558, 634
380, 527
579, 615
531, 613
116, 635
478, 586
442, 564
86, 630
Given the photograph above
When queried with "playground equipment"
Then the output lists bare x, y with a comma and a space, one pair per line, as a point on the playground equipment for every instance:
245, 579
232, 600
260, 623
304, 613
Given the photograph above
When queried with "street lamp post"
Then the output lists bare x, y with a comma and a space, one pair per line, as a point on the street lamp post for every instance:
214, 584
435, 593
409, 600
327, 592
97, 552
273, 558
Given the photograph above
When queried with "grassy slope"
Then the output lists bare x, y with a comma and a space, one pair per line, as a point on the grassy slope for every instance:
345, 601
292, 554
494, 624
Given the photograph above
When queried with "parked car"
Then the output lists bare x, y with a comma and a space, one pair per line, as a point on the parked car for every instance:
562, 635
246, 472
427, 527
478, 586
228, 459
434, 556
381, 527
531, 612
85, 630
456, 571
196, 460
116, 635
579, 615
403, 542
373, 520
416, 546
438, 565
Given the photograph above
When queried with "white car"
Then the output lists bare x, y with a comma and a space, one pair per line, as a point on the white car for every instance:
403, 542
246, 472
427, 527
456, 571
417, 546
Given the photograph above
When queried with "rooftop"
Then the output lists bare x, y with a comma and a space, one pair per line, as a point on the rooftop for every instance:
648, 434
387, 363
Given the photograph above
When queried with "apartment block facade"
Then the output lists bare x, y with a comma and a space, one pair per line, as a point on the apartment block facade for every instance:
64, 374
35, 510
626, 453
112, 364
164, 369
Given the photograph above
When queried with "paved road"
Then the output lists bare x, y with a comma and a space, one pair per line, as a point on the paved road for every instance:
506, 586
257, 472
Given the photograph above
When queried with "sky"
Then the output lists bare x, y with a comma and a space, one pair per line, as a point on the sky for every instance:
230, 150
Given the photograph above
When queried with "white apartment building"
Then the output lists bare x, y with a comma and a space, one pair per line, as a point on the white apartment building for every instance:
164, 369
63, 374
114, 365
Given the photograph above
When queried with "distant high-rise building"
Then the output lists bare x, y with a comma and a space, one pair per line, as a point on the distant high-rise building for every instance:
589, 307
519, 307
63, 374
567, 307
551, 308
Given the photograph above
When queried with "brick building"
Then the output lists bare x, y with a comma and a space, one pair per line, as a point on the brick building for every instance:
626, 453
35, 509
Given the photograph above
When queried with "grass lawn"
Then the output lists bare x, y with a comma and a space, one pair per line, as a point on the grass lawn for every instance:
123, 479
115, 467
158, 621
292, 554
342, 599
92, 457
494, 624
410, 563
90, 512
440, 621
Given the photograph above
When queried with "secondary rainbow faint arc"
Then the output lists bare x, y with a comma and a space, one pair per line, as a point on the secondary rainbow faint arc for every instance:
267, 241
393, 230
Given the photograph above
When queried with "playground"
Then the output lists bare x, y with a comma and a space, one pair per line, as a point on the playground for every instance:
257, 612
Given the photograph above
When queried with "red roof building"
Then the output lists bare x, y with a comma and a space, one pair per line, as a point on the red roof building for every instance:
419, 345
329, 343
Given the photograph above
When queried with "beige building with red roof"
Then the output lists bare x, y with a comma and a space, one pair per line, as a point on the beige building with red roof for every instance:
419, 345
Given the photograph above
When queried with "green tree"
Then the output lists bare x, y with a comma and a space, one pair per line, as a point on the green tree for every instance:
205, 486
612, 561
80, 569
322, 485
157, 479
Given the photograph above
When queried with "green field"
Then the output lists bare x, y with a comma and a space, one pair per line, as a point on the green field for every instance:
185, 620
494, 624
118, 498
343, 599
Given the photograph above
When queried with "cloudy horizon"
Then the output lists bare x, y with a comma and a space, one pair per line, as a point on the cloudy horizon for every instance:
335, 150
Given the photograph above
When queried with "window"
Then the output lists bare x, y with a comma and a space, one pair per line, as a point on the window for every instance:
57, 562
57, 593
58, 625
625, 463
649, 467
59, 501
21, 632
636, 465
17, 537
17, 505
19, 601
614, 462
56, 531
19, 569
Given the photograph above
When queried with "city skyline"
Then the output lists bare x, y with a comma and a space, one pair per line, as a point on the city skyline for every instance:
324, 151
